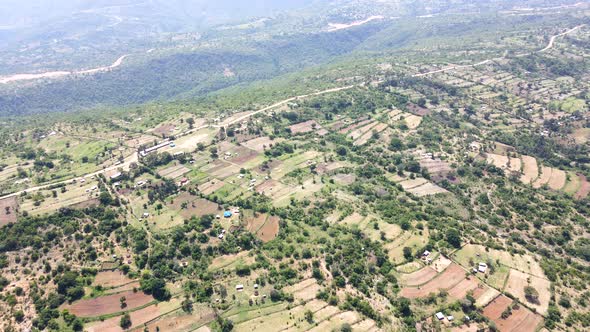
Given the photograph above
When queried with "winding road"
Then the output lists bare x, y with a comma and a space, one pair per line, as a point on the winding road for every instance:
546, 48
58, 74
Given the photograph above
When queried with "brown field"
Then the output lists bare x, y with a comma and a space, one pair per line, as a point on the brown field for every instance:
582, 135
543, 177
195, 206
557, 180
111, 279
140, 140
109, 304
165, 130
260, 144
449, 278
460, 290
485, 295
138, 318
584, 188
518, 280
268, 187
183, 322
521, 319
211, 186
304, 127
269, 230
174, 172
419, 277
92, 202
243, 155
221, 169
253, 223
8, 210
530, 169
435, 166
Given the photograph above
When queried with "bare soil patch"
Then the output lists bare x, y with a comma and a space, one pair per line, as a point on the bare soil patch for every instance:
530, 169
584, 188
269, 230
210, 187
344, 179
418, 110
419, 277
413, 121
517, 282
304, 127
449, 278
460, 290
543, 177
108, 304
165, 130
259, 144
557, 180
520, 320
8, 210
174, 172
195, 206
111, 279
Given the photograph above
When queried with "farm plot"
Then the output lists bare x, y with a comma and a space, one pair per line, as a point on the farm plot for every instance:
436, 166
111, 279
269, 230
136, 142
74, 195
584, 188
478, 253
221, 169
188, 205
178, 321
557, 180
413, 183
8, 210
449, 278
413, 240
174, 172
211, 186
138, 317
189, 142
308, 189
305, 127
369, 133
344, 179
419, 277
520, 320
544, 177
354, 126
242, 155
108, 304
517, 281
260, 144
413, 121
530, 169
358, 132
427, 189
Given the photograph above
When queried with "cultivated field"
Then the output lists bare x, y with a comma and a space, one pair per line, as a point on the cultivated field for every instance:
517, 281
108, 304
8, 210
520, 320
450, 277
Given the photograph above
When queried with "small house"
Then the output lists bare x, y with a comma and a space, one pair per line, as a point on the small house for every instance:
227, 214
482, 267
255, 286
145, 215
240, 287
450, 318
440, 316
426, 253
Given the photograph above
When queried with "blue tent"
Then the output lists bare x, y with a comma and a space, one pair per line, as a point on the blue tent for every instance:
227, 214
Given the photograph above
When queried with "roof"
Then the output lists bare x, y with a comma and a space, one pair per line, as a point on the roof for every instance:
227, 214
440, 315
